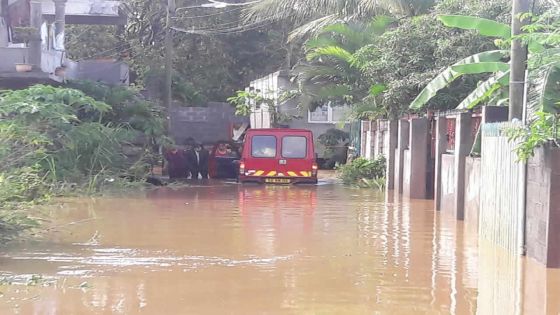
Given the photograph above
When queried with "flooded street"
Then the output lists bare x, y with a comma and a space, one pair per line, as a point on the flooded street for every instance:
227, 249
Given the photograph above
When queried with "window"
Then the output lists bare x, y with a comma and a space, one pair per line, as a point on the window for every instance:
320, 114
328, 114
339, 113
294, 147
263, 146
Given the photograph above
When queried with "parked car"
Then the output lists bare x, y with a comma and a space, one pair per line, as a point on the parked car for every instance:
281, 156
224, 160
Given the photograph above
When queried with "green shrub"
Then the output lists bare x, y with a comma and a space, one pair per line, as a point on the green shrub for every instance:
17, 188
362, 172
22, 185
54, 140
129, 107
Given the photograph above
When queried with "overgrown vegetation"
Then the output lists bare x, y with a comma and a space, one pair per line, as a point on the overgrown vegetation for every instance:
224, 58
54, 140
364, 173
334, 142
247, 101
540, 132
543, 101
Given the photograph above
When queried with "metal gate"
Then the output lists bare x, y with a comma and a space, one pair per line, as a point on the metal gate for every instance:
502, 210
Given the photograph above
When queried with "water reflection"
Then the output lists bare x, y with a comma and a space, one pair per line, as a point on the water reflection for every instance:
218, 248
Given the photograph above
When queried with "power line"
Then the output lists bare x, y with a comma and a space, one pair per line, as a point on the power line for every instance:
200, 31
118, 47
154, 35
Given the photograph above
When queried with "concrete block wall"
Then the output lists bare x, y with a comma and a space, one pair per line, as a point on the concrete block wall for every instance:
542, 230
109, 72
204, 124
10, 56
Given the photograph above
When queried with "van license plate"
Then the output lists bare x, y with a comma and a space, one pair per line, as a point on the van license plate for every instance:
277, 180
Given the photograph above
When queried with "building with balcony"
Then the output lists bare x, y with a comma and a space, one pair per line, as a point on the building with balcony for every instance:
41, 47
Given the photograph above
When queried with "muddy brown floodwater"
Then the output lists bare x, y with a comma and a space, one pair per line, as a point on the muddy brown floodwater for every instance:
227, 249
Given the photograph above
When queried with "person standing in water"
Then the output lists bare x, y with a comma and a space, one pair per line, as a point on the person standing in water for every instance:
176, 162
198, 162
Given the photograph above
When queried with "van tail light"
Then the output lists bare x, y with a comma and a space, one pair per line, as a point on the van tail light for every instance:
314, 169
242, 168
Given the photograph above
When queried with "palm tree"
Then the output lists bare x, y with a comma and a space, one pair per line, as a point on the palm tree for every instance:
329, 72
312, 15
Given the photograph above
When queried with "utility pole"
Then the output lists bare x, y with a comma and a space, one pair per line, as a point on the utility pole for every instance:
518, 60
168, 95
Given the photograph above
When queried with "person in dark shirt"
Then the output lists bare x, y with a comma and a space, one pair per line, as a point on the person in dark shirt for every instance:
198, 162
176, 163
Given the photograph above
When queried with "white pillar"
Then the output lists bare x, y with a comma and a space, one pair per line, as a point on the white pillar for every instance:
59, 23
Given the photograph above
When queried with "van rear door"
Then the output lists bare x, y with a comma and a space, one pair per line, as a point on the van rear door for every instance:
295, 153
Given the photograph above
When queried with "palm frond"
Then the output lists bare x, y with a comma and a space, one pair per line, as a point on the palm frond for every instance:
298, 11
379, 24
307, 72
313, 27
330, 51
396, 7
320, 41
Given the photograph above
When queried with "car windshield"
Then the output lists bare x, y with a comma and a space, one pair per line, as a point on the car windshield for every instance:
263, 146
294, 147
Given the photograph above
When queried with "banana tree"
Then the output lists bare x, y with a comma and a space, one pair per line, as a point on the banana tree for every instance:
544, 65
484, 62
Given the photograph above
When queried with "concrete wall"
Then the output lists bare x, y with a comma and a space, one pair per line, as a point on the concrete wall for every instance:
10, 56
50, 60
543, 207
392, 142
376, 139
472, 191
447, 183
109, 72
204, 124
403, 135
406, 173
416, 160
